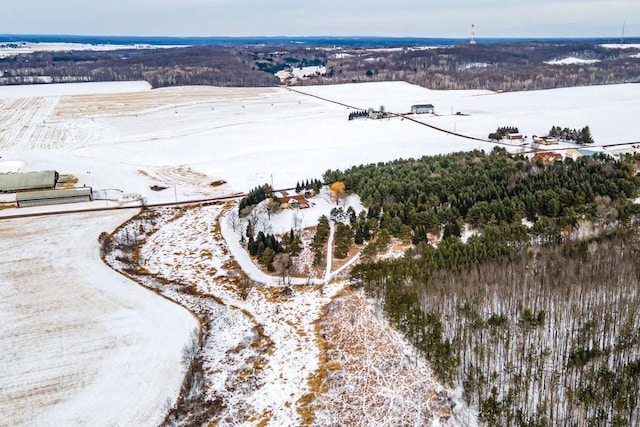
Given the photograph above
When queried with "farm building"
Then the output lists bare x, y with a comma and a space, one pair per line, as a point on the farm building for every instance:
547, 157
297, 201
545, 140
514, 137
28, 181
573, 153
53, 197
422, 109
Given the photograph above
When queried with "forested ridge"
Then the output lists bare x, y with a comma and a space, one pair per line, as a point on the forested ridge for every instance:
495, 66
534, 314
501, 66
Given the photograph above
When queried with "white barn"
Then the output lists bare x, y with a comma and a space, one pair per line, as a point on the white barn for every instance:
422, 109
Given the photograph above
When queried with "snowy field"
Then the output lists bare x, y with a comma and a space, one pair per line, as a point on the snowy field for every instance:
128, 138
23, 48
78, 342
572, 60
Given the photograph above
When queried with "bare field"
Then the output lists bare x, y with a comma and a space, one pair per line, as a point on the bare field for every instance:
149, 101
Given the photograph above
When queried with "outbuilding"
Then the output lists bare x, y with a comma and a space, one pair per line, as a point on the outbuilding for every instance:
422, 109
53, 197
28, 181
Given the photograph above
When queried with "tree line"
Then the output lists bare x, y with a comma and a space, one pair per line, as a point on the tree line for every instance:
579, 136
502, 66
498, 66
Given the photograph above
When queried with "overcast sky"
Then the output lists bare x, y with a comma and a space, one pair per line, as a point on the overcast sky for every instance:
418, 18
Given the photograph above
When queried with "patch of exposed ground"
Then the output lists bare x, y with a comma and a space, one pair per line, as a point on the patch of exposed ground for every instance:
368, 375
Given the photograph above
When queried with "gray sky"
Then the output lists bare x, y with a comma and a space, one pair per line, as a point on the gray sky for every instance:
419, 18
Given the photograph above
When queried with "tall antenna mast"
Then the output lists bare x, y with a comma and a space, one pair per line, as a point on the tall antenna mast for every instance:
622, 37
473, 34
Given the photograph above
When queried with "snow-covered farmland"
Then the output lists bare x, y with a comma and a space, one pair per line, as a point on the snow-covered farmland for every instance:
121, 139
79, 343
185, 138
22, 48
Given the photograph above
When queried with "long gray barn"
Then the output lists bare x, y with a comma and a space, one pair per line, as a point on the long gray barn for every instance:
28, 181
53, 197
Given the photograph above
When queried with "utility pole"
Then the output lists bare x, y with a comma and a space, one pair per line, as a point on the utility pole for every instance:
175, 192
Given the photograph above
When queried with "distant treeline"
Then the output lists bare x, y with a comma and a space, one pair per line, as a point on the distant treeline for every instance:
498, 66
507, 67
204, 65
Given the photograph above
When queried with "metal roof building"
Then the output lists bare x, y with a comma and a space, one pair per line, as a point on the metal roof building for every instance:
28, 181
53, 197
422, 108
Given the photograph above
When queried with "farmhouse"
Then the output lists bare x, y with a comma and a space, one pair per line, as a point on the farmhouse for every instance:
53, 197
28, 181
297, 201
422, 109
547, 157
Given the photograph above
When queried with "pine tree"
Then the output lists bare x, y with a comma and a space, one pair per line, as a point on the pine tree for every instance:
585, 136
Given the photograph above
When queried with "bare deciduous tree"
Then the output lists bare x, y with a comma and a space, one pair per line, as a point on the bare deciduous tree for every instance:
234, 221
283, 263
296, 221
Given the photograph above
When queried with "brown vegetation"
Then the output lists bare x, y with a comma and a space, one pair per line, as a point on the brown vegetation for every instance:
367, 376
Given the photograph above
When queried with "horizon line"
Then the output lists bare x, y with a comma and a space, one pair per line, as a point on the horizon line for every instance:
314, 36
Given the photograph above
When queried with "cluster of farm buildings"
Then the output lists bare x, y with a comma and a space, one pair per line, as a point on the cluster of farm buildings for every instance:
39, 189
372, 113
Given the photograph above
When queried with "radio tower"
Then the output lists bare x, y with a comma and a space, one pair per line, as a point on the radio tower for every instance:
473, 34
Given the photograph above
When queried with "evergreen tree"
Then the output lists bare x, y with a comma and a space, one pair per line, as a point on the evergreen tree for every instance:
585, 136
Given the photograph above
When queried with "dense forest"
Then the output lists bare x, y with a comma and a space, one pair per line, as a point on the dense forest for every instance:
496, 66
202, 65
528, 300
